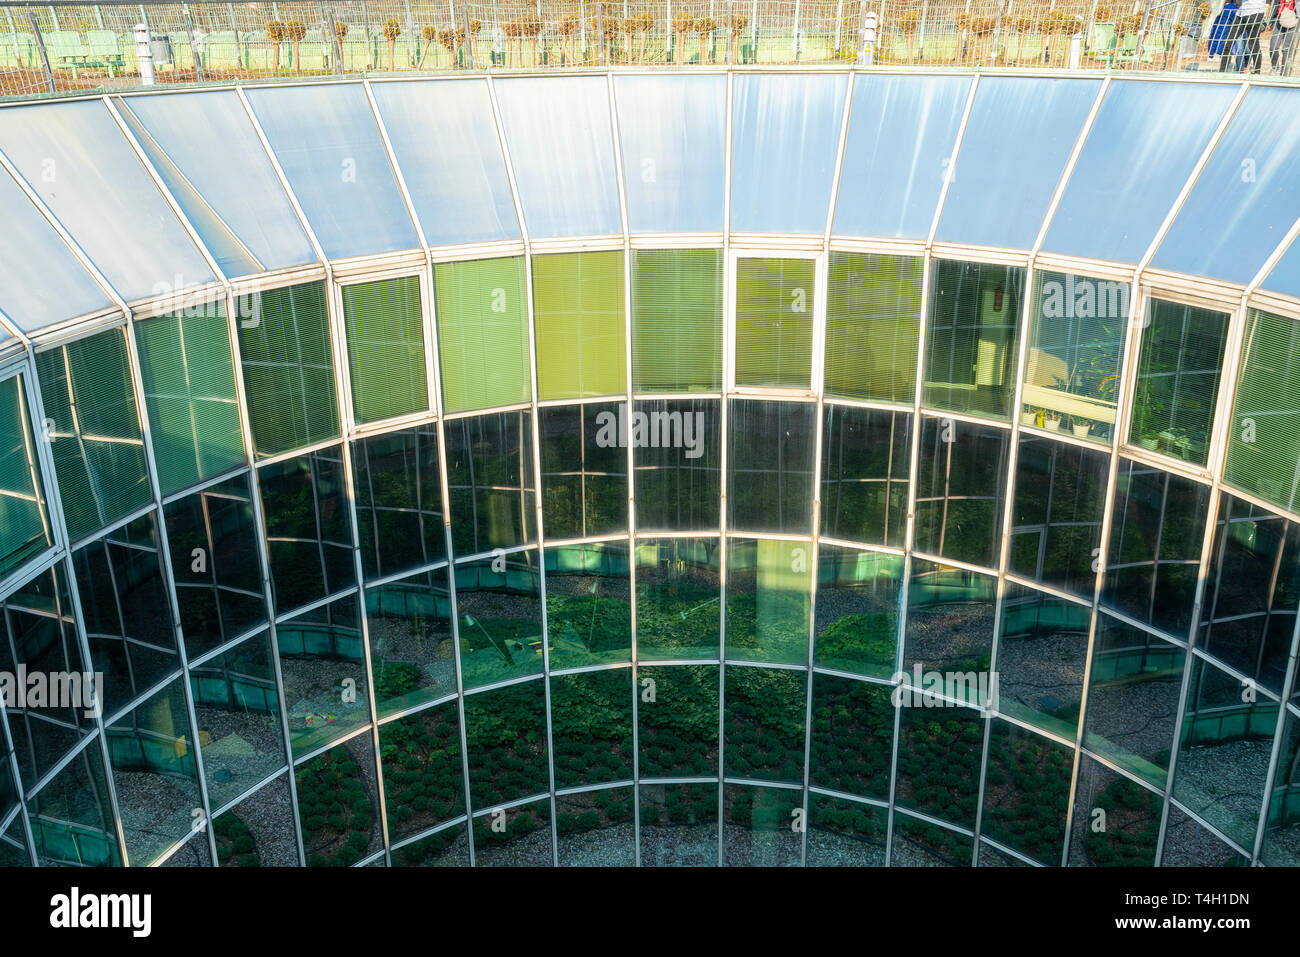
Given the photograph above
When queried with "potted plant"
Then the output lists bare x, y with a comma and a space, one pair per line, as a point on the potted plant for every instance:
392, 30
1080, 426
295, 30
275, 33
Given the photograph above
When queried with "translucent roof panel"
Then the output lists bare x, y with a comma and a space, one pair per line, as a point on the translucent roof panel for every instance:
1285, 276
234, 198
1246, 198
561, 143
785, 137
1018, 139
673, 133
328, 144
1143, 145
76, 159
29, 247
900, 140
447, 147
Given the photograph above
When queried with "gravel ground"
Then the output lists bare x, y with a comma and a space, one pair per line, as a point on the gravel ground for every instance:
1042, 674
684, 845
1137, 717
245, 747
748, 848
1188, 844
393, 639
455, 854
910, 854
601, 847
1224, 784
532, 850
268, 815
833, 849
157, 811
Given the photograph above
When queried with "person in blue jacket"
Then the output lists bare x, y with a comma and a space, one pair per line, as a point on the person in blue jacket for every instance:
1222, 33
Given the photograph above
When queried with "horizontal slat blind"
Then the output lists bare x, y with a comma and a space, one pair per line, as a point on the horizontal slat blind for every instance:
774, 321
95, 432
22, 525
578, 306
482, 333
189, 390
677, 320
385, 348
873, 326
289, 370
1264, 442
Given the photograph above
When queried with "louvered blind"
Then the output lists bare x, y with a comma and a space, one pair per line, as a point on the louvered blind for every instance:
774, 321
482, 333
22, 524
385, 348
189, 390
1264, 441
578, 308
873, 326
289, 370
677, 320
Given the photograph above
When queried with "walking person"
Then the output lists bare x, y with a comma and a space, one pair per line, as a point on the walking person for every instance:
1284, 22
1223, 33
1247, 27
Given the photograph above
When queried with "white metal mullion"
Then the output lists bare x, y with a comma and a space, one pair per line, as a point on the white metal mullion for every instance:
728, 383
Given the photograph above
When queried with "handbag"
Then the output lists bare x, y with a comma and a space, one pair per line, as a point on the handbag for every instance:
1286, 17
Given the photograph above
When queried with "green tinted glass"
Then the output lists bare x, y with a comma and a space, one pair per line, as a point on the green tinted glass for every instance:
482, 333
578, 307
774, 322
23, 532
385, 348
1264, 442
677, 320
873, 322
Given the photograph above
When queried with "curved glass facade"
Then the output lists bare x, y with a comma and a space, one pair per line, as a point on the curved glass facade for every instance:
736, 468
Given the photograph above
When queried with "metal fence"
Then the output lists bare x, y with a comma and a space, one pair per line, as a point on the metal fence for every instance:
56, 48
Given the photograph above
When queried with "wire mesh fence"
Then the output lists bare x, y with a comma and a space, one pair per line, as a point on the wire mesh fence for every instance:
47, 48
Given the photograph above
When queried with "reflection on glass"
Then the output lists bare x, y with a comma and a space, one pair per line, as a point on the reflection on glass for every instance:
588, 604
678, 464
961, 490
939, 753
857, 610
678, 591
1282, 834
677, 717
775, 302
765, 724
505, 730
24, 531
423, 781
411, 650
596, 828
677, 320
919, 843
259, 830
516, 837
584, 469
770, 468
448, 847
338, 804
873, 326
950, 628
1263, 440
1131, 814
498, 601
72, 817
1027, 792
591, 727
322, 664
398, 501
490, 481
866, 455
1042, 652
1188, 843
852, 736
679, 825
758, 831
845, 833
768, 600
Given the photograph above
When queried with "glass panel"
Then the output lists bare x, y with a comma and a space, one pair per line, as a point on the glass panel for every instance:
1143, 145
1252, 589
1155, 547
189, 390
75, 158
999, 198
845, 833
215, 565
506, 732
339, 804
973, 334
94, 431
939, 750
578, 309
328, 145
518, 837
129, 625
584, 469
289, 370
1116, 822
423, 780
866, 455
1056, 514
759, 830
1282, 277
385, 331
1245, 198
677, 452
1281, 845
155, 775
446, 848
1076, 343
1134, 686
775, 303
322, 665
852, 738
490, 480
13, 846
1223, 751
398, 501
768, 600
591, 727
1264, 440
785, 137
678, 588
482, 333
873, 326
677, 716
676, 319
1027, 792
1179, 365
500, 608
857, 610
679, 825
961, 490
447, 146
237, 710
770, 472
412, 655
901, 133
672, 130
949, 640
596, 828
1188, 843
1042, 652
765, 724
308, 534
72, 816
588, 605
259, 830
24, 529
29, 247
231, 195
562, 141
920, 843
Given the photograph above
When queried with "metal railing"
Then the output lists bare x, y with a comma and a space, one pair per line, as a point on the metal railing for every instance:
68, 48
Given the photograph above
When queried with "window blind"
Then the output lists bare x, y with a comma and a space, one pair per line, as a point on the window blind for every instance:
578, 307
677, 320
385, 348
873, 326
482, 333
1264, 442
774, 322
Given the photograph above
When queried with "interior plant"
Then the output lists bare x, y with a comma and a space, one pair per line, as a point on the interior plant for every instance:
645, 22
628, 26
909, 23
704, 26
392, 30
531, 28
736, 23
340, 33
429, 33
567, 28
275, 33
296, 31
682, 22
